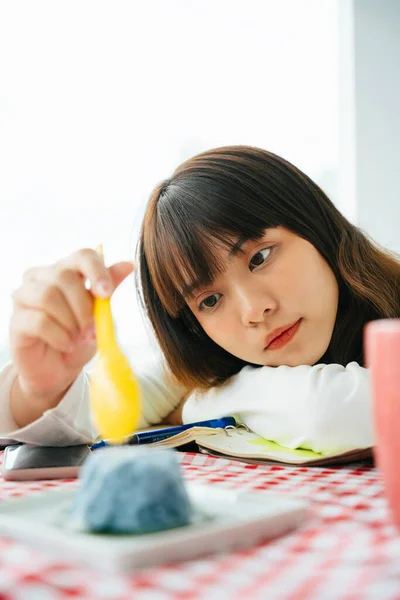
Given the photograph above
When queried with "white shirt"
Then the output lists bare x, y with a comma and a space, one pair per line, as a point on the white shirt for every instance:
325, 408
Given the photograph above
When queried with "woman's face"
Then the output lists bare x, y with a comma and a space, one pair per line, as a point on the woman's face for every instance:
276, 282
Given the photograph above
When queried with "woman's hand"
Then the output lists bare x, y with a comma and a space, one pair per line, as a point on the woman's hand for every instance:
175, 417
52, 333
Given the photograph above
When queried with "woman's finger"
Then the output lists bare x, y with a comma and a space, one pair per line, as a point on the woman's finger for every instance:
79, 299
31, 324
91, 266
120, 271
39, 295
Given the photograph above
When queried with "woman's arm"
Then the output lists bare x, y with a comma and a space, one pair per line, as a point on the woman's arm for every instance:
67, 424
70, 422
325, 408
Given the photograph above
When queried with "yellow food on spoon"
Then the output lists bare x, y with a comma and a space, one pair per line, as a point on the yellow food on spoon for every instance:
114, 390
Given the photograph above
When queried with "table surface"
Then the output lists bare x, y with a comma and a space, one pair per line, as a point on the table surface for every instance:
347, 550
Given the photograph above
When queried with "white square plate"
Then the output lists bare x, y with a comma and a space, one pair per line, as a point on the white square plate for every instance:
224, 520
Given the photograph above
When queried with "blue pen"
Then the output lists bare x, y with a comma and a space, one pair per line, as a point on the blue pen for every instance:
156, 435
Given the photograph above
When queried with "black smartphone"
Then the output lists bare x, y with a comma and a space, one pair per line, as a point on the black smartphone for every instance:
25, 462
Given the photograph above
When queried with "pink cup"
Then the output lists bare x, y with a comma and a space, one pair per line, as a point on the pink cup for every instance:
382, 353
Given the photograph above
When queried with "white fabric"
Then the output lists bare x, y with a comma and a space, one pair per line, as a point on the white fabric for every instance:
70, 422
325, 407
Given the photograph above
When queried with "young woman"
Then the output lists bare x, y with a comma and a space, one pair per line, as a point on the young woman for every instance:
258, 291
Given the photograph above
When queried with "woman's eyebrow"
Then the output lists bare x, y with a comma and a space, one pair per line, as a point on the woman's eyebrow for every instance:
189, 290
237, 246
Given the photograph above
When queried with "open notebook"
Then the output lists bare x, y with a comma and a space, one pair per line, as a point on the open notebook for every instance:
241, 444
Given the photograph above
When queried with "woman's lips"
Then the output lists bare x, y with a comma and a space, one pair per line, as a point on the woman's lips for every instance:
282, 336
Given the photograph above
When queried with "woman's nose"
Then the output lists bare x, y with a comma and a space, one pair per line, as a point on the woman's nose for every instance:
253, 308
252, 315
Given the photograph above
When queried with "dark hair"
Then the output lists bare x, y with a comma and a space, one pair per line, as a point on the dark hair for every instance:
235, 193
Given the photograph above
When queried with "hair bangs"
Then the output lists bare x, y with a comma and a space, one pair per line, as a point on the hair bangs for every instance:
190, 230
192, 220
185, 259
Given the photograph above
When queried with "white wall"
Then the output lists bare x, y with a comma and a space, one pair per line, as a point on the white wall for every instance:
100, 100
370, 116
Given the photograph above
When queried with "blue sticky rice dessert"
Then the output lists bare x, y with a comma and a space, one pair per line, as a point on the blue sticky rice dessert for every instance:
131, 490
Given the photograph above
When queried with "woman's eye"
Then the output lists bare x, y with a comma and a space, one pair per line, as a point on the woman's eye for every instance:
209, 302
259, 258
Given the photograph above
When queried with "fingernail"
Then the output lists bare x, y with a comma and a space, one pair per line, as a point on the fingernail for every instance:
103, 288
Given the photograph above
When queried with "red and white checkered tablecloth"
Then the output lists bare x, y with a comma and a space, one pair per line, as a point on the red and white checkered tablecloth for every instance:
348, 550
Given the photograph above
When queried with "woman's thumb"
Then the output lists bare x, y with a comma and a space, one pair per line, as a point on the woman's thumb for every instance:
120, 271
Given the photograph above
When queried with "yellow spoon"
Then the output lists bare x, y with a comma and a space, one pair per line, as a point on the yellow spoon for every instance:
114, 391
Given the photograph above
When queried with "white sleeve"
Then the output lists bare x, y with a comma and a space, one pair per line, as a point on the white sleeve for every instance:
70, 423
325, 408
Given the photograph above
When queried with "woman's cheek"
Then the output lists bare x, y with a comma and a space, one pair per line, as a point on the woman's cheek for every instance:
215, 328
